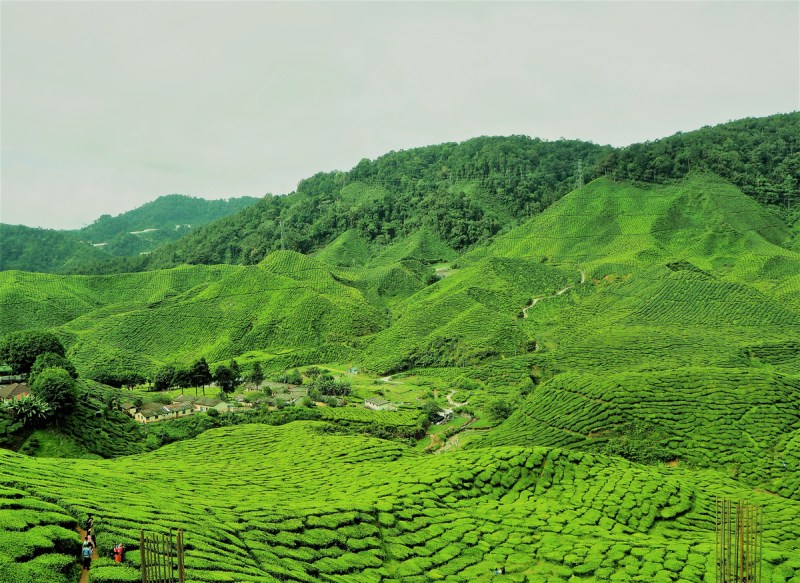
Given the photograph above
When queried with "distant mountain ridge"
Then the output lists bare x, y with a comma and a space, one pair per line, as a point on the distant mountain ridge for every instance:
467, 193
132, 233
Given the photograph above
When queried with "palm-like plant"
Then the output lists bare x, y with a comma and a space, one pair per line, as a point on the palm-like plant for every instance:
29, 410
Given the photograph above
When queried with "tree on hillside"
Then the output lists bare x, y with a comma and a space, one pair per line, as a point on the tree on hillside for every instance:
500, 409
51, 360
201, 375
225, 378
326, 385
431, 410
237, 373
117, 378
165, 377
55, 387
133, 379
21, 349
184, 378
256, 375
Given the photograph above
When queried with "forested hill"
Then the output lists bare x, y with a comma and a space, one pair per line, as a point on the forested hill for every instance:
467, 193
138, 231
173, 212
464, 193
44, 250
761, 156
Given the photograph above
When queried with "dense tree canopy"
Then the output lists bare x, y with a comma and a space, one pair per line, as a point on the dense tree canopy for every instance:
759, 155
21, 349
201, 373
57, 388
51, 360
164, 378
225, 378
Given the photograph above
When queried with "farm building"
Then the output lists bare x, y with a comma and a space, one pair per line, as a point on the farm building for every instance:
379, 404
14, 391
203, 403
155, 412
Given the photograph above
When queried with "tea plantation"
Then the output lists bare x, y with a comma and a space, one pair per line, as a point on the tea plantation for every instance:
292, 503
643, 342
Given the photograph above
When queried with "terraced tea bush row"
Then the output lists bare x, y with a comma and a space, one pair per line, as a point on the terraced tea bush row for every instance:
740, 420
363, 415
288, 503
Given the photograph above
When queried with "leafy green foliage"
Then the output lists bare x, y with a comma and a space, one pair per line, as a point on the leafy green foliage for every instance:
325, 384
51, 360
256, 375
30, 411
225, 377
57, 388
165, 377
201, 373
20, 349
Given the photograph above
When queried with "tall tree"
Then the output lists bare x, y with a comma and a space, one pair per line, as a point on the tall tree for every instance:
225, 378
51, 360
237, 373
201, 375
165, 377
256, 375
184, 378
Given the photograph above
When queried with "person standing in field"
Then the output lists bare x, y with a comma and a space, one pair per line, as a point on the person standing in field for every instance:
86, 553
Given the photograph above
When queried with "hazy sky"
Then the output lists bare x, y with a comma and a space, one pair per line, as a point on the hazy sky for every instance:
108, 105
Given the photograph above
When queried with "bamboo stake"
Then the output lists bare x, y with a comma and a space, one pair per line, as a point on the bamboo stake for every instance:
760, 541
716, 539
142, 556
180, 557
163, 556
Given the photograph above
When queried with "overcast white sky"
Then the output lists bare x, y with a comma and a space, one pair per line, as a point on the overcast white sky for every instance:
106, 106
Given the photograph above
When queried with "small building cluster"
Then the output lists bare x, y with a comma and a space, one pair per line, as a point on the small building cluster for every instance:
379, 404
181, 406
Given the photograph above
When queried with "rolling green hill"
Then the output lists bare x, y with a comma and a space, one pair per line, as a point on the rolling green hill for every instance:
286, 307
467, 193
45, 250
132, 233
290, 503
172, 216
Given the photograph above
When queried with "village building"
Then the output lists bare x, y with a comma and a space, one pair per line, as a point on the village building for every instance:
379, 404
14, 391
200, 404
155, 412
